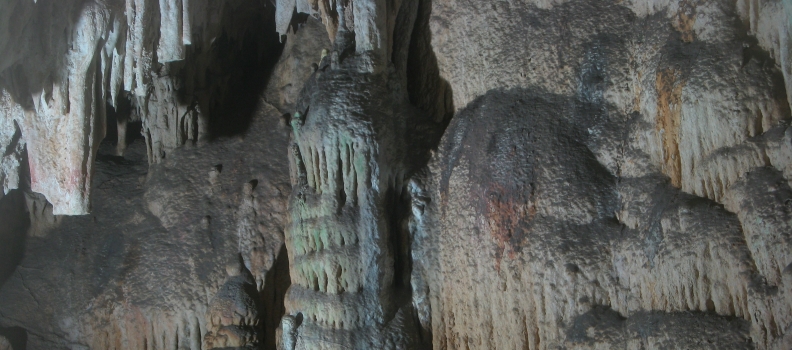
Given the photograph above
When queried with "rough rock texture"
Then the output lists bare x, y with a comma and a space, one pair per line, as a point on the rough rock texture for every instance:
12, 143
769, 23
233, 314
629, 159
173, 59
344, 214
148, 268
301, 56
356, 140
448, 174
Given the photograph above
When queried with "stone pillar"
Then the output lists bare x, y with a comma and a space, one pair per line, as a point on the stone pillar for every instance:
347, 163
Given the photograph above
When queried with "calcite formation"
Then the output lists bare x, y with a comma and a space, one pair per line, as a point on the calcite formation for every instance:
635, 107
232, 318
350, 161
346, 182
61, 115
396, 174
60, 78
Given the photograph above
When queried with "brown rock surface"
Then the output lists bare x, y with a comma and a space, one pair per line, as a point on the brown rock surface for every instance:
554, 193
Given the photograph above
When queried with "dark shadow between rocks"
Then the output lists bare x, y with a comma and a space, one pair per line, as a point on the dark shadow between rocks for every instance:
276, 283
427, 90
13, 232
241, 70
121, 115
17, 336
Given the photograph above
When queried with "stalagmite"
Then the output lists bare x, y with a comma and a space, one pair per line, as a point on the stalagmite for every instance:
232, 318
347, 131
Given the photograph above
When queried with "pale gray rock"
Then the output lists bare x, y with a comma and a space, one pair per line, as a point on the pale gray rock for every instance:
303, 49
59, 78
4, 344
448, 174
669, 111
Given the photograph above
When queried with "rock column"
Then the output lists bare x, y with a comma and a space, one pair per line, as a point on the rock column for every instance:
348, 174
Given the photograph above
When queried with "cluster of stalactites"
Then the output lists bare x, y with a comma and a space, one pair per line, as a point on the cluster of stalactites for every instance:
335, 167
108, 50
323, 239
341, 263
372, 22
140, 66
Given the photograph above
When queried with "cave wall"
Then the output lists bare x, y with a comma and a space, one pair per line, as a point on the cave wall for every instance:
182, 252
527, 174
599, 167
177, 62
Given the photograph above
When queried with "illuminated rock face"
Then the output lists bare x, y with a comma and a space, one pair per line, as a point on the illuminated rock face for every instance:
356, 142
63, 63
59, 107
615, 178
344, 238
616, 175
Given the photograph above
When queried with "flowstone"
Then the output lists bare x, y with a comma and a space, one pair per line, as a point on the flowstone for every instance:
348, 177
350, 161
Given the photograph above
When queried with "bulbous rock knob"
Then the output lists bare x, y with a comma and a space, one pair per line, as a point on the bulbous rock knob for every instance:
297, 120
233, 269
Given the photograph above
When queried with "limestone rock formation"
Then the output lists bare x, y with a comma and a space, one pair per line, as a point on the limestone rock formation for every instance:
59, 79
395, 174
232, 318
350, 160
302, 53
593, 160
143, 270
